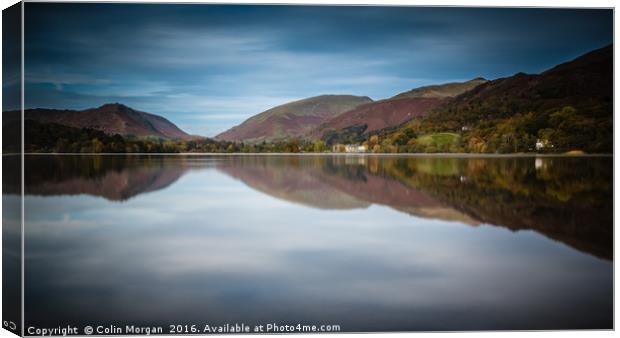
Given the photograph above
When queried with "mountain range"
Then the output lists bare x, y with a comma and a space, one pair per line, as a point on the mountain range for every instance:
569, 106
328, 116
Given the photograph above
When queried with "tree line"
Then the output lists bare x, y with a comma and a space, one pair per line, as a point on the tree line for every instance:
56, 138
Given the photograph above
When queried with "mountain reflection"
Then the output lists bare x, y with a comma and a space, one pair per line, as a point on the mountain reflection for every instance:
336, 182
567, 199
116, 178
564, 198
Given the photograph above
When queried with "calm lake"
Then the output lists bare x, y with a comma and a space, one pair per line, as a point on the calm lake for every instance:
370, 243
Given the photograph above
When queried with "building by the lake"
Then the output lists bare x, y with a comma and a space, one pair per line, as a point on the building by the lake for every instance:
349, 148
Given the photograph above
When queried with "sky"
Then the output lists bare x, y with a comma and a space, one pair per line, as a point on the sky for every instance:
209, 67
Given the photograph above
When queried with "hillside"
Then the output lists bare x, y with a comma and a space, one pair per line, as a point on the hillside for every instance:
389, 113
441, 91
112, 118
569, 106
581, 83
294, 119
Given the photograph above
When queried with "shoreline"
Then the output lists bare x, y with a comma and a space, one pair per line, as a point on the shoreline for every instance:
446, 155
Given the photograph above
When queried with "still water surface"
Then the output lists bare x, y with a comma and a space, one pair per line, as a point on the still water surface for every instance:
371, 243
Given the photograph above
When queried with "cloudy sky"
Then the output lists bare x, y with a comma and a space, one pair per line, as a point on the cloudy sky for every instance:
208, 67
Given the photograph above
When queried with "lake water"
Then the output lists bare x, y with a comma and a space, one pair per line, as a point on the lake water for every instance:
370, 243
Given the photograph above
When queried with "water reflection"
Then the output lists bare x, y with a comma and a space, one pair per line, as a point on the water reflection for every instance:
116, 177
565, 198
372, 243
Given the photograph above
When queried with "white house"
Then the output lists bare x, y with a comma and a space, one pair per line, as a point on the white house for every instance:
355, 148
